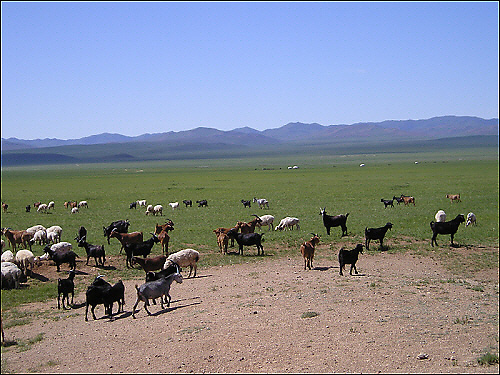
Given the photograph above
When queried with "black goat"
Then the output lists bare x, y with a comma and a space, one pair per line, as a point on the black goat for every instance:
247, 239
65, 287
398, 199
133, 205
349, 257
60, 257
114, 294
446, 227
376, 234
334, 221
82, 232
28, 208
202, 203
95, 251
387, 202
138, 249
121, 226
171, 269
95, 295
188, 202
246, 203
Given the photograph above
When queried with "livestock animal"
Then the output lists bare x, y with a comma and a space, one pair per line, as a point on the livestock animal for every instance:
74, 210
288, 223
61, 254
40, 237
65, 287
11, 276
42, 208
453, 197
149, 209
349, 257
95, 295
222, 241
35, 228
169, 225
307, 250
169, 270
398, 199
50, 205
15, 237
447, 227
471, 219
126, 238
158, 210
25, 260
82, 232
5, 206
188, 202
116, 293
55, 229
184, 258
226, 231
121, 226
28, 208
137, 249
164, 240
83, 204
440, 216
408, 200
262, 202
248, 227
94, 251
334, 221
376, 234
53, 237
387, 202
174, 205
248, 239
150, 264
133, 205
266, 220
8, 256
246, 203
142, 202
155, 289
202, 203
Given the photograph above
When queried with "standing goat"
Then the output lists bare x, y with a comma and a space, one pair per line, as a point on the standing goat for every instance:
334, 221
307, 250
447, 227
376, 234
65, 287
349, 257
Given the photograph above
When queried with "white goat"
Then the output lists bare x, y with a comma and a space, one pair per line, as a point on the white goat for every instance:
74, 210
184, 258
440, 216
261, 202
51, 204
141, 202
42, 208
174, 205
288, 223
158, 209
266, 220
471, 219
149, 209
83, 204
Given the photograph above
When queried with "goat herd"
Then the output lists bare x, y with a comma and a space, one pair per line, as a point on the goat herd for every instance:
162, 270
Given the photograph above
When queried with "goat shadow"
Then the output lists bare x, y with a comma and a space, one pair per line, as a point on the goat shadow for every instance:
39, 277
169, 309
322, 268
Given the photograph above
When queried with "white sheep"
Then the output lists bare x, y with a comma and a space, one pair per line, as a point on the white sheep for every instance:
266, 220
24, 260
53, 237
61, 246
11, 275
34, 228
51, 204
158, 209
40, 237
141, 202
174, 205
42, 208
55, 229
83, 204
8, 256
471, 219
74, 210
184, 258
149, 209
440, 216
288, 223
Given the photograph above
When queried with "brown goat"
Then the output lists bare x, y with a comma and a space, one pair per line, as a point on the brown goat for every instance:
222, 241
226, 231
408, 200
150, 264
307, 250
126, 238
249, 227
453, 197
164, 239
15, 237
169, 225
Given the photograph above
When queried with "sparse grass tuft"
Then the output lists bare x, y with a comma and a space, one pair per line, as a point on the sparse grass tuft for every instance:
488, 359
309, 314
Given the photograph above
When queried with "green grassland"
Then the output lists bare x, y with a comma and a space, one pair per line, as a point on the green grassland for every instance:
337, 183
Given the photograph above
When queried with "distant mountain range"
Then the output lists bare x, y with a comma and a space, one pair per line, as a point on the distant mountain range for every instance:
240, 140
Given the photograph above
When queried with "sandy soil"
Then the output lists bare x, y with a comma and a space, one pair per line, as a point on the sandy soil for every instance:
401, 314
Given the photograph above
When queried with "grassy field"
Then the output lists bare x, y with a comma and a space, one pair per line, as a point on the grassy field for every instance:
338, 184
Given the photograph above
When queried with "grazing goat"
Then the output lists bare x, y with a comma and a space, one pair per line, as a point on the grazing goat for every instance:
471, 219
349, 257
83, 204
188, 202
142, 202
133, 205
334, 221
184, 258
24, 260
95, 251
126, 238
150, 264
248, 239
307, 250
440, 216
261, 202
50, 205
453, 197
60, 256
387, 202
65, 287
408, 200
121, 226
288, 223
74, 210
155, 289
158, 210
398, 199
202, 203
138, 249
376, 234
246, 203
266, 220
8, 256
448, 227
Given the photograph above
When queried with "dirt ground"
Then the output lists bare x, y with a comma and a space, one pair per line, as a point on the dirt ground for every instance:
400, 314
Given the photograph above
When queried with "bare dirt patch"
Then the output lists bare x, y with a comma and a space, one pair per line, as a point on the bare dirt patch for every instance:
273, 316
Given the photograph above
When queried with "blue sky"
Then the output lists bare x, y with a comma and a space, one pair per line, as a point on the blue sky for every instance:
74, 69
